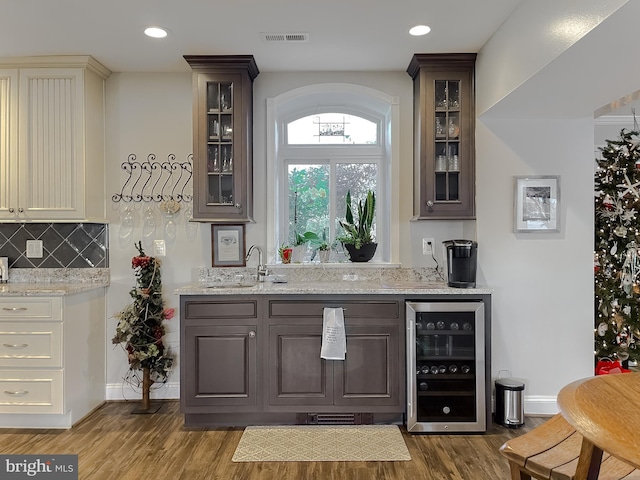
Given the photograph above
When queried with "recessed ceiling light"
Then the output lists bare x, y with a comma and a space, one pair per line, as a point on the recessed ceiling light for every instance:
156, 32
419, 30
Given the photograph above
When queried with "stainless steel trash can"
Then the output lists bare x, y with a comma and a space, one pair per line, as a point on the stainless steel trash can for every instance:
509, 402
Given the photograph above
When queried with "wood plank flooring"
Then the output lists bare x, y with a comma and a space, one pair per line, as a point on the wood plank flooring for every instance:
113, 444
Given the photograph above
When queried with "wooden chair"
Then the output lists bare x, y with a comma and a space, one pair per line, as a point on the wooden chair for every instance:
550, 452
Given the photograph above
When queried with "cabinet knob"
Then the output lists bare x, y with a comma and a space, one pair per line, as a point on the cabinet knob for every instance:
11, 209
430, 203
252, 334
238, 205
20, 209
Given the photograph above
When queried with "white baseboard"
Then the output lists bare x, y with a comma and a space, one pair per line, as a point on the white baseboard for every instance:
540, 405
120, 391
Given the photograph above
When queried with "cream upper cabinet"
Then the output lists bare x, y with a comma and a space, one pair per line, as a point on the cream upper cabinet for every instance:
52, 139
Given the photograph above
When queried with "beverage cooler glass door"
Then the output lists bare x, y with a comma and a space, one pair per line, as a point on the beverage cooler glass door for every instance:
445, 367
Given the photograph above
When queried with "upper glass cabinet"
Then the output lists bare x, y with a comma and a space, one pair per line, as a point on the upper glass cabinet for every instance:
444, 119
223, 106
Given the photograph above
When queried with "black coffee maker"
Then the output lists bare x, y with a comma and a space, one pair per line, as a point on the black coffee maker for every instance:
462, 260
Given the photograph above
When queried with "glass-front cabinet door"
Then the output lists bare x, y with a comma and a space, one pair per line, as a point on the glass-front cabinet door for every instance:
223, 106
220, 184
444, 119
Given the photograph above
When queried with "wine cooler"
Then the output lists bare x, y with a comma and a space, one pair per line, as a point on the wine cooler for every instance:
446, 387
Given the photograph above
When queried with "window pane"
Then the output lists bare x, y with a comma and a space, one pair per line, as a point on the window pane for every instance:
358, 178
332, 128
308, 200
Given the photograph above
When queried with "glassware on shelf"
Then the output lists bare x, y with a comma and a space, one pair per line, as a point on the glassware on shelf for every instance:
453, 130
439, 128
441, 163
453, 164
224, 102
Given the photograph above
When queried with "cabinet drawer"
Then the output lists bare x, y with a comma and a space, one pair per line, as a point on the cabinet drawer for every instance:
35, 308
218, 309
352, 309
31, 391
30, 344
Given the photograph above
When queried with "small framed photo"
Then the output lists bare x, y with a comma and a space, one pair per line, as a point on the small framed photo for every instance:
537, 204
228, 245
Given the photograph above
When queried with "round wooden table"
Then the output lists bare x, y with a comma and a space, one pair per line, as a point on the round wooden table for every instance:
605, 410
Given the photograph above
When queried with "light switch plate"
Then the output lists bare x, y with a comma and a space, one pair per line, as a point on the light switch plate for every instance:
159, 248
34, 249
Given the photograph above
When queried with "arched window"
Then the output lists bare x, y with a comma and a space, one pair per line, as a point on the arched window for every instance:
321, 152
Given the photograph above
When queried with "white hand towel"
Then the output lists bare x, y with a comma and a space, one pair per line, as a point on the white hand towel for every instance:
334, 339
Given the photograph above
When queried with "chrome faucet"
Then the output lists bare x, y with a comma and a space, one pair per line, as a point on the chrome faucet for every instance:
262, 268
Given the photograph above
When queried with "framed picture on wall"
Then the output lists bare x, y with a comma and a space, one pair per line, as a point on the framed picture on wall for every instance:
537, 204
228, 245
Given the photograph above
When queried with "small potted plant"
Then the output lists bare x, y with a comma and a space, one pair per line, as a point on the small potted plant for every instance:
358, 235
300, 243
284, 252
324, 249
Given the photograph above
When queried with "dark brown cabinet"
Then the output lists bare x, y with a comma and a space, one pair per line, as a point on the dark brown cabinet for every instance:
444, 131
219, 355
223, 131
368, 380
249, 360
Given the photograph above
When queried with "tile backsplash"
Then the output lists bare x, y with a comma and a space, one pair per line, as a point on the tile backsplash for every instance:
65, 245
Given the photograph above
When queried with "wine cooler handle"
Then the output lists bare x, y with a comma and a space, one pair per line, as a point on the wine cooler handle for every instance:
412, 378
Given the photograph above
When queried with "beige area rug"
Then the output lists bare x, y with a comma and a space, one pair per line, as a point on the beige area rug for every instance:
320, 443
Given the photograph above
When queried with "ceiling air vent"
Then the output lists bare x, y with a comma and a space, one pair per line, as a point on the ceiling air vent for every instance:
286, 37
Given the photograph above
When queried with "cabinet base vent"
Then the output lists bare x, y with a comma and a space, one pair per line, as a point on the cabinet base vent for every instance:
334, 419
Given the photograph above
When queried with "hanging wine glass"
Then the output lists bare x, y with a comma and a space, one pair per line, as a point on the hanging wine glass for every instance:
170, 208
127, 224
190, 227
149, 226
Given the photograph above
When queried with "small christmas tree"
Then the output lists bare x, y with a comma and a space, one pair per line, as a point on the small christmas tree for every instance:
617, 254
140, 326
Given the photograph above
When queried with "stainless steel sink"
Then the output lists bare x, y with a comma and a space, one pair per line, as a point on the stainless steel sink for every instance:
413, 285
232, 285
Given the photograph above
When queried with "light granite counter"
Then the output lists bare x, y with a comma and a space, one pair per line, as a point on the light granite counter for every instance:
53, 281
323, 288
319, 279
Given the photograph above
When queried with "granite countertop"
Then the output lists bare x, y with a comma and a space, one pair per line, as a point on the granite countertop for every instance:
53, 281
340, 287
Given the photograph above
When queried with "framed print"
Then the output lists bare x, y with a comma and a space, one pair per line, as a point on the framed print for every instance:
228, 245
537, 204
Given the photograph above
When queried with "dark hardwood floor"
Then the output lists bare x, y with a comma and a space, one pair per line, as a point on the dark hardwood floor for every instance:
112, 443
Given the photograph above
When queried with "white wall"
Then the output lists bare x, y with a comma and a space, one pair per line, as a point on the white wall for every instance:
543, 302
147, 113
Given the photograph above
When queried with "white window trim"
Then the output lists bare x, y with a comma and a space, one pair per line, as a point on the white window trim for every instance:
280, 108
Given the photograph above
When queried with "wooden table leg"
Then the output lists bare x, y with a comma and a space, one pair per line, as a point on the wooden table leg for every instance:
589, 462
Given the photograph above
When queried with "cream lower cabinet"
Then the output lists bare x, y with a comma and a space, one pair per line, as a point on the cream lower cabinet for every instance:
52, 139
52, 359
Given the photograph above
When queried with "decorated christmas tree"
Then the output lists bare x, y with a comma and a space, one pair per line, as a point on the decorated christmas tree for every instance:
140, 327
617, 244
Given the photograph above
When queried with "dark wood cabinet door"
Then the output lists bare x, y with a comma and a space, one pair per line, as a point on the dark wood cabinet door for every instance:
444, 132
220, 366
297, 376
223, 137
370, 374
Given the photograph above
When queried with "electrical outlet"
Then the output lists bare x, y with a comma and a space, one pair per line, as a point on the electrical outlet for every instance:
34, 249
427, 246
159, 249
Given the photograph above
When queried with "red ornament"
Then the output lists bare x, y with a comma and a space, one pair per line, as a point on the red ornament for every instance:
608, 203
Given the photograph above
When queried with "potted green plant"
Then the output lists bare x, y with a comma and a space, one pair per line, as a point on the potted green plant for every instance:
358, 235
300, 243
324, 249
284, 252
